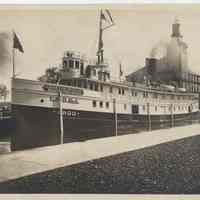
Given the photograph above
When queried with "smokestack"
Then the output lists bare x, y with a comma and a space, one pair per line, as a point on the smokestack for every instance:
151, 67
176, 29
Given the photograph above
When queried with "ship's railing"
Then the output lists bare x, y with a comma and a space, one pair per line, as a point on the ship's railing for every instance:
74, 54
94, 62
122, 82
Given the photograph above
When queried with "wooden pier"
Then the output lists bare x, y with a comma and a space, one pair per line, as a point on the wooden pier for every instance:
22, 163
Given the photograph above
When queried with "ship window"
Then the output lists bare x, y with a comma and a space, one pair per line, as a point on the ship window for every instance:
132, 92
111, 89
174, 108
135, 109
122, 91
178, 97
101, 104
101, 88
96, 86
107, 104
94, 72
172, 96
42, 100
125, 106
77, 64
91, 86
65, 64
119, 90
135, 94
94, 103
71, 63
82, 68
145, 94
143, 107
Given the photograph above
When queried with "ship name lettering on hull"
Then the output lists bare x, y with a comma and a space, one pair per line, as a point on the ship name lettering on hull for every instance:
72, 100
64, 90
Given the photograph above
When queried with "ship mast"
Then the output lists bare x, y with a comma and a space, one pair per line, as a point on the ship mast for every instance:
100, 44
109, 20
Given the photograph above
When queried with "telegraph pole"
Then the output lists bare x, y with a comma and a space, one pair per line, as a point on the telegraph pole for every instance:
149, 116
115, 117
60, 113
172, 116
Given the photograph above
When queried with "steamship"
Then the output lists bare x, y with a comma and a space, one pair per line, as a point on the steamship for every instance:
83, 102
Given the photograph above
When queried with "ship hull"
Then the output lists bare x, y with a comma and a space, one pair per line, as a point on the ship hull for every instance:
6, 121
40, 126
6, 127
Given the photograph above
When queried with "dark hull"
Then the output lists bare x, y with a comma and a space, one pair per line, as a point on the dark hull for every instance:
36, 126
6, 121
6, 127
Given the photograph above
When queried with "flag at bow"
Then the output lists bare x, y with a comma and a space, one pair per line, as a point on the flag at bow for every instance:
16, 43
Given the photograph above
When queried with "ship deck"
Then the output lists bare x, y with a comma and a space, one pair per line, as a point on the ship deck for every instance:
22, 163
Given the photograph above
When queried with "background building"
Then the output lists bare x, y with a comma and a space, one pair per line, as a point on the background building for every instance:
172, 68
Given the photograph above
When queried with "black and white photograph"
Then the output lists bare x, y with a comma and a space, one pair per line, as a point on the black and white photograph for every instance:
100, 99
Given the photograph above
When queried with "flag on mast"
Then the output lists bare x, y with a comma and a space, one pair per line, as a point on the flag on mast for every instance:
109, 15
106, 16
103, 16
17, 43
120, 70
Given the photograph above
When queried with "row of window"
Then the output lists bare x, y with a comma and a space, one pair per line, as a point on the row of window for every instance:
163, 96
71, 63
121, 91
179, 108
101, 104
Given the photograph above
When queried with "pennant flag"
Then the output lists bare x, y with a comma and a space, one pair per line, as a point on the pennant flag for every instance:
17, 44
106, 16
110, 17
120, 70
103, 16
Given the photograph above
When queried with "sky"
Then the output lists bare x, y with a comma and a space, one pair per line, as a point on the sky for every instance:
46, 32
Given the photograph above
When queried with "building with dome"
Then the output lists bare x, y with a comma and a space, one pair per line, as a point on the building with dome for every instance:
172, 68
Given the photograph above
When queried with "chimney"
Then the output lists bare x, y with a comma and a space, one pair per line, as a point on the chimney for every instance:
151, 66
176, 29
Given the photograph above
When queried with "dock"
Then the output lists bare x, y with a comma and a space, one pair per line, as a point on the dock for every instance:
28, 162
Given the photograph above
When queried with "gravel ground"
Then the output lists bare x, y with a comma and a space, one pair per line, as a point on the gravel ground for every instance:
171, 168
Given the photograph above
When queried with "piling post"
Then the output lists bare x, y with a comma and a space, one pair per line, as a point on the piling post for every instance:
61, 115
115, 117
149, 116
172, 116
